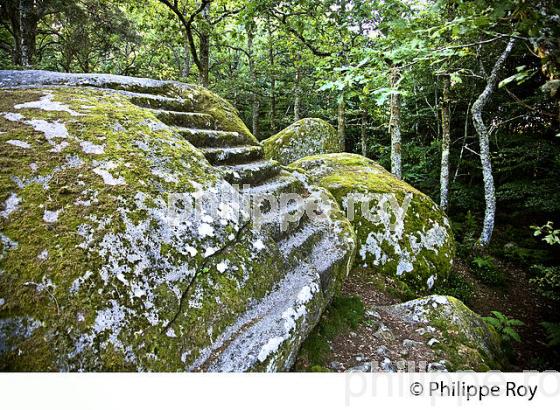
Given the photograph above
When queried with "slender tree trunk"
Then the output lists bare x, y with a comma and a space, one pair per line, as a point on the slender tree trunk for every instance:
363, 136
204, 47
186, 59
256, 105
297, 93
272, 82
484, 142
395, 124
445, 142
204, 59
341, 121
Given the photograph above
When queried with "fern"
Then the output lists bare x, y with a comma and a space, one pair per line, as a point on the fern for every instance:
552, 333
505, 326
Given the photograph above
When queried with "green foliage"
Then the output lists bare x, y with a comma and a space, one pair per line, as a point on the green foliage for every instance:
550, 235
552, 333
524, 256
505, 326
547, 281
485, 269
344, 313
457, 286
466, 234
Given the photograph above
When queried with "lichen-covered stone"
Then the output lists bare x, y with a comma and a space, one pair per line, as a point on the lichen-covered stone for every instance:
401, 232
103, 264
309, 136
455, 333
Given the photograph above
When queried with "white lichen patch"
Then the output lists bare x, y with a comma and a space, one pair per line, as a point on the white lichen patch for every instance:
222, 266
12, 116
46, 103
90, 148
51, 216
44, 255
205, 230
11, 205
54, 129
19, 143
108, 178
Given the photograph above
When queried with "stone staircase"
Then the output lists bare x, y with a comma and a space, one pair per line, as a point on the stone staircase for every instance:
306, 245
242, 163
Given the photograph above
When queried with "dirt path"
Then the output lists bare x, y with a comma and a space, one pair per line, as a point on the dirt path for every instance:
389, 344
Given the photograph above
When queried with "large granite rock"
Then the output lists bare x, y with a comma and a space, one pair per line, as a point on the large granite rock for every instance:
309, 136
401, 232
457, 335
105, 265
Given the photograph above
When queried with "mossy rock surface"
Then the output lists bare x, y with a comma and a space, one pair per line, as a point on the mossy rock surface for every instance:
456, 334
401, 232
96, 271
309, 136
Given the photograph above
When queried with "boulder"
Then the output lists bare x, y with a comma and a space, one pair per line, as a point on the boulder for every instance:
458, 336
105, 262
309, 136
401, 232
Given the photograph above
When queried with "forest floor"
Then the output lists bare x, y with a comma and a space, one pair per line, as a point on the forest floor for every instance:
370, 341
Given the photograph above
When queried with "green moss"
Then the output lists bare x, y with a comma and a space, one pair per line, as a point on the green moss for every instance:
305, 137
111, 121
401, 232
344, 313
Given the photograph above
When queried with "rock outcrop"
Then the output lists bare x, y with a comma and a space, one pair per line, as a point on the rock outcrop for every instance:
460, 338
309, 136
107, 264
401, 232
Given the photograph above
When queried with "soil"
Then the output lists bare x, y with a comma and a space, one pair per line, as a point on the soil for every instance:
365, 344
516, 299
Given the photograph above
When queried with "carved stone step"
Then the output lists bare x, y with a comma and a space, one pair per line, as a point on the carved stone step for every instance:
233, 155
185, 119
200, 137
251, 173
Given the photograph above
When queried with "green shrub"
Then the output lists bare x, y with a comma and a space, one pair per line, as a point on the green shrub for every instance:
505, 326
466, 234
457, 286
525, 256
484, 268
547, 281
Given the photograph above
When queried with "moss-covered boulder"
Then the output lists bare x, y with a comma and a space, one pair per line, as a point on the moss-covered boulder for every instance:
309, 136
104, 262
457, 335
401, 232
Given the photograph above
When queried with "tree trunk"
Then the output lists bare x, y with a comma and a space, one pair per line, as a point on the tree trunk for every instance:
186, 59
445, 141
252, 73
28, 25
395, 124
204, 47
297, 92
272, 82
204, 59
341, 121
22, 18
363, 136
484, 142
